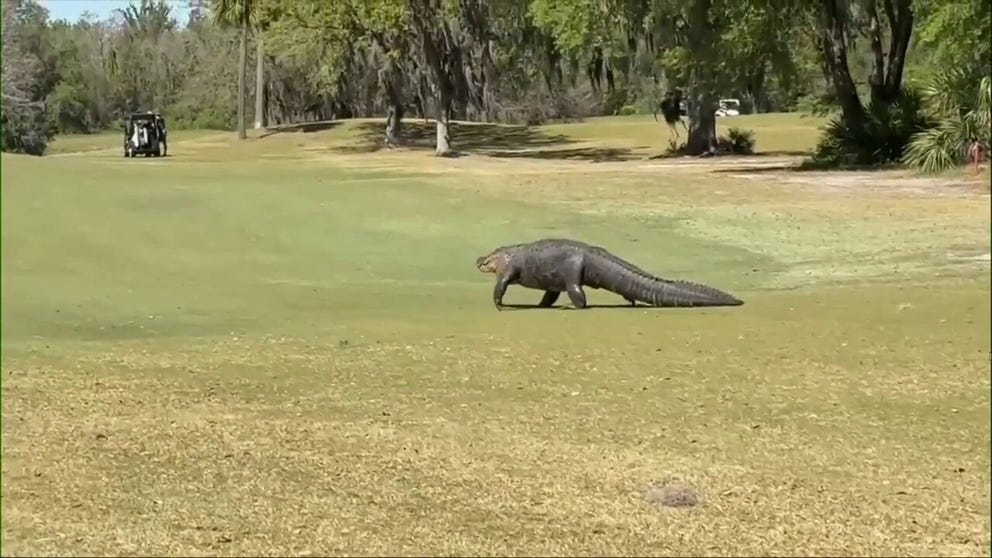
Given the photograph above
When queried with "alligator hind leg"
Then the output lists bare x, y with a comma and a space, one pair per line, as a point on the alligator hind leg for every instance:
576, 295
549, 299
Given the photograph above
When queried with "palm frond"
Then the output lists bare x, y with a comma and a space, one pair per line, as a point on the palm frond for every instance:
962, 104
934, 150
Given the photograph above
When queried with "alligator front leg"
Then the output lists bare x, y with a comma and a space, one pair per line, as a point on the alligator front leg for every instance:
549, 299
502, 282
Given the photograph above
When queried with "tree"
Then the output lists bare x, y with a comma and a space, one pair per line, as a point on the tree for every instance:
144, 55
267, 11
955, 33
386, 34
241, 14
840, 20
23, 119
704, 48
260, 89
700, 74
354, 41
436, 24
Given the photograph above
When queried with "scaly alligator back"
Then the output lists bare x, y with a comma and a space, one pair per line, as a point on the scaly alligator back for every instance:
605, 273
602, 252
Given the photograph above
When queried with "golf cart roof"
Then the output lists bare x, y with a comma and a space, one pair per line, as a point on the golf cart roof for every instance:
144, 115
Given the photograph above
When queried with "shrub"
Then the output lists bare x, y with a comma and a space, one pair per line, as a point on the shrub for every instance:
614, 101
888, 128
737, 141
25, 128
963, 106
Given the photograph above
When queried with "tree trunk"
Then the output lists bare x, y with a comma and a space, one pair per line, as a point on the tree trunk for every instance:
834, 48
901, 18
394, 121
261, 91
702, 123
418, 104
242, 70
756, 91
877, 78
443, 145
703, 81
632, 81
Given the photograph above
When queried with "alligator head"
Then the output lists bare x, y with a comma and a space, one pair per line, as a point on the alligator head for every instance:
494, 261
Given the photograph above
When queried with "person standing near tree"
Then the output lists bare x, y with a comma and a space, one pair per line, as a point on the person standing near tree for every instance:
976, 152
671, 111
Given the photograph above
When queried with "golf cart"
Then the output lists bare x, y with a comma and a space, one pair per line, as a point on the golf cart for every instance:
145, 134
729, 107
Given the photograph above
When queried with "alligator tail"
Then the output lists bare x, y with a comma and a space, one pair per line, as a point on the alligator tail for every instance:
605, 273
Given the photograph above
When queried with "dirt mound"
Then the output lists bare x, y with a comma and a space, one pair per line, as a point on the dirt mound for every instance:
672, 494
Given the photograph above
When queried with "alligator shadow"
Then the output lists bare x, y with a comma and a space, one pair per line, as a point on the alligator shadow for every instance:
515, 307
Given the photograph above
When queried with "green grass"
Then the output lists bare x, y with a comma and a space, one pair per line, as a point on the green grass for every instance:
85, 143
283, 347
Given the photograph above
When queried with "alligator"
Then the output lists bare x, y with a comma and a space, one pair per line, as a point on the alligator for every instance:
557, 265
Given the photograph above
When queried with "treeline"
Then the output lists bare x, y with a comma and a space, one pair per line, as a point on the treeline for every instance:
268, 62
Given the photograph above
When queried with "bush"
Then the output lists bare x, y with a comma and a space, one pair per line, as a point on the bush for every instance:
887, 131
627, 110
740, 142
536, 107
963, 105
737, 141
614, 101
25, 128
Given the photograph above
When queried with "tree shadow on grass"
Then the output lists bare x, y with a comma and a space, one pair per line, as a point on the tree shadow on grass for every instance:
494, 140
591, 154
807, 166
305, 127
726, 154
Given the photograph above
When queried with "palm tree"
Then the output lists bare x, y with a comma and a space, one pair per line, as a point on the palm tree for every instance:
963, 105
243, 15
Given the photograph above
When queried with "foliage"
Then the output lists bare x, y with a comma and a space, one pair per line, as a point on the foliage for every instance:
955, 33
964, 110
24, 122
518, 61
576, 25
883, 139
25, 129
738, 141
313, 37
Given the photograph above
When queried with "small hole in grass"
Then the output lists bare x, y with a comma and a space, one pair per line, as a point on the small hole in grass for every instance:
672, 494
